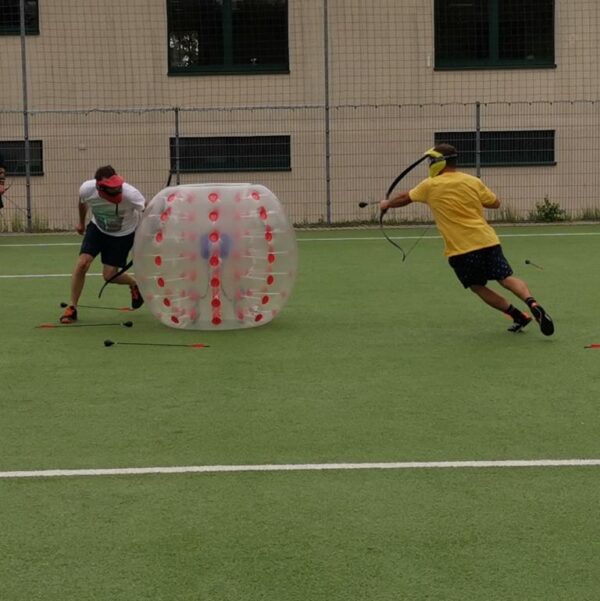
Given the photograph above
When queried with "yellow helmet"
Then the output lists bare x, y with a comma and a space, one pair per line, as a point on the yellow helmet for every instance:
437, 161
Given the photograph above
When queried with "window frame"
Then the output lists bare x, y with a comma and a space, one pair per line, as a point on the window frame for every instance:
228, 67
489, 137
5, 30
203, 142
493, 61
16, 168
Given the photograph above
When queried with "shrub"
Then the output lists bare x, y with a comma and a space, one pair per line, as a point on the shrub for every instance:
547, 211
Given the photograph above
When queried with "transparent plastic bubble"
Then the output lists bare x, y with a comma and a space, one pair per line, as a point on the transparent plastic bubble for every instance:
215, 256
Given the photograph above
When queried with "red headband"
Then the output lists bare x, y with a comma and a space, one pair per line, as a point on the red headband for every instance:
111, 188
114, 181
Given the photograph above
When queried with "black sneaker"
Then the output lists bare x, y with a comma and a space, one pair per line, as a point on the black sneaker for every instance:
136, 297
543, 319
69, 316
519, 324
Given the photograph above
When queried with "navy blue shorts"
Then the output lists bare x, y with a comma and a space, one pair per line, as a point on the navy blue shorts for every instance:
479, 266
113, 250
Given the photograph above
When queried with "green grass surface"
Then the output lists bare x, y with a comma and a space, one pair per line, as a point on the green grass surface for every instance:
372, 359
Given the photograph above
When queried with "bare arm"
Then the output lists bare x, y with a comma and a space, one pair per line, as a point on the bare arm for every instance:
398, 200
80, 227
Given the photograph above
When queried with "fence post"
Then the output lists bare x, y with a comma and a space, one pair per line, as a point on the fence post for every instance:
177, 177
478, 138
327, 115
25, 112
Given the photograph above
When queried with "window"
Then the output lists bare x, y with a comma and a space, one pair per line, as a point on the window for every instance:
502, 148
14, 156
227, 36
233, 153
494, 33
10, 17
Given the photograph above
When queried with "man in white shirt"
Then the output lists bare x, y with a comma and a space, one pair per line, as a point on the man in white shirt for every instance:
116, 209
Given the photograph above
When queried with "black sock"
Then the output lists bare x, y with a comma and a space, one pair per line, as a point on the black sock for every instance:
515, 313
530, 301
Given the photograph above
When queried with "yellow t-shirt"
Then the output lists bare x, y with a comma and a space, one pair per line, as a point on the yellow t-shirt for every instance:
456, 200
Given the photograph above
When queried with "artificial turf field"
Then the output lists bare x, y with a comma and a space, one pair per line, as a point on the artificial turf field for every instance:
371, 360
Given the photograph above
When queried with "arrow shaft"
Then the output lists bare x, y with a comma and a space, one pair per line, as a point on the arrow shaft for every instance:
162, 344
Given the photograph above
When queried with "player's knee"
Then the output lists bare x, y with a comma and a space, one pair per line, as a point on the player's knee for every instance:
108, 272
83, 263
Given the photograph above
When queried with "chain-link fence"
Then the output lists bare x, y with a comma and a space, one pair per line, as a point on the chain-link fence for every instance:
366, 89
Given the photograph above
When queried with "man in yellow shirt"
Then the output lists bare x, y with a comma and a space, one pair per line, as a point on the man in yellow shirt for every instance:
473, 248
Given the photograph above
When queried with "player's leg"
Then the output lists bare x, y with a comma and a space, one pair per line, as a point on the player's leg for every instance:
82, 266
108, 271
517, 286
520, 289
497, 301
473, 271
115, 250
90, 247
505, 277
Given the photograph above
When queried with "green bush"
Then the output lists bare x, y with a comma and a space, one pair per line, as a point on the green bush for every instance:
547, 211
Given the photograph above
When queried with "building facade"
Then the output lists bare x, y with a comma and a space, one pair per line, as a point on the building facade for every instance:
322, 101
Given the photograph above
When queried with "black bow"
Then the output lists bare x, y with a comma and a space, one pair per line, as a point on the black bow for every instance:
114, 277
384, 211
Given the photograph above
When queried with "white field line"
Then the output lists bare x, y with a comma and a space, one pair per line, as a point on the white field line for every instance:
43, 244
40, 275
300, 467
351, 239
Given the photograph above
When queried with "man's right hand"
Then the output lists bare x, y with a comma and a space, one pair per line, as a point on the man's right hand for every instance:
80, 228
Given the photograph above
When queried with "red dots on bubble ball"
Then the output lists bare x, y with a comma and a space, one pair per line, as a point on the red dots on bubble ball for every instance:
258, 317
271, 258
214, 236
159, 237
214, 260
171, 197
160, 282
166, 302
215, 282
255, 195
265, 299
262, 213
213, 197
213, 216
215, 302
174, 319
270, 280
158, 260
216, 320
268, 236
